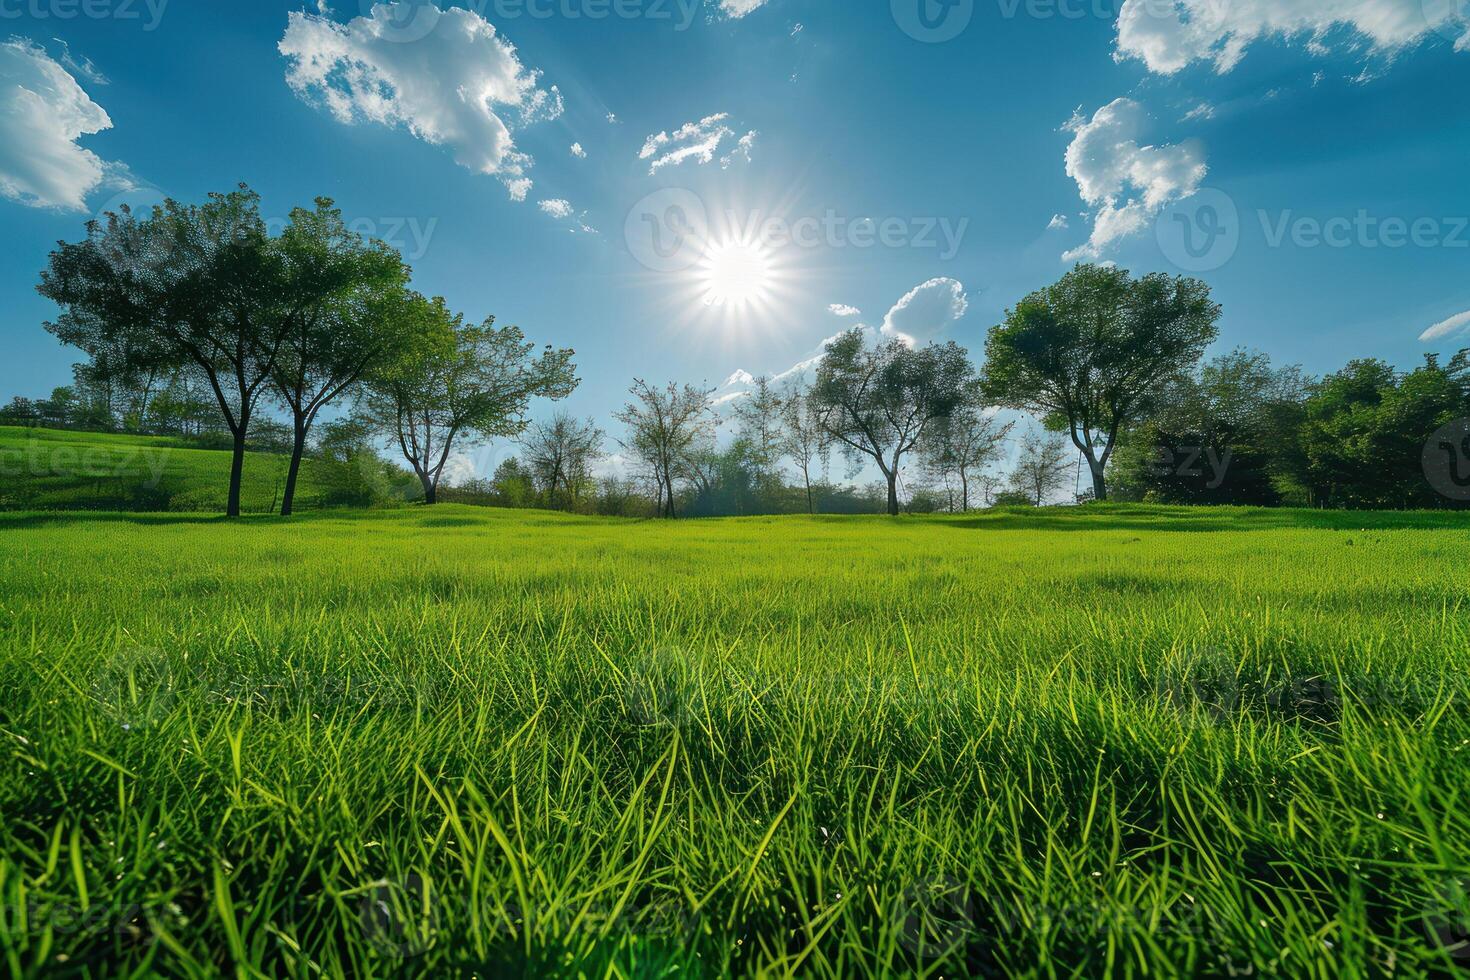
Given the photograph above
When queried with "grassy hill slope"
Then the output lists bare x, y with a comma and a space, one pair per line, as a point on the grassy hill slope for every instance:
52, 469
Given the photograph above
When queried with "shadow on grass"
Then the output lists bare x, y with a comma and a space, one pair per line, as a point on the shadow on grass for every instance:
1125, 517
19, 521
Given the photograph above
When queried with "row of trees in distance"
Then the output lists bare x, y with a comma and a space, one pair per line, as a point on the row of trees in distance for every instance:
197, 304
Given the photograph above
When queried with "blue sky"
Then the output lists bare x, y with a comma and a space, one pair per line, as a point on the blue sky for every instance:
1313, 153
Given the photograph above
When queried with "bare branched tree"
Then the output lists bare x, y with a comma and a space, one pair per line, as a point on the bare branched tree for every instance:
666, 426
803, 440
560, 455
961, 447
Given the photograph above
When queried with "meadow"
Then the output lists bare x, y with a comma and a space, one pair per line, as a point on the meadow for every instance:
448, 741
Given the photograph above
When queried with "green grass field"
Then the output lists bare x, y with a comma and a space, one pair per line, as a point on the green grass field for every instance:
56, 469
440, 741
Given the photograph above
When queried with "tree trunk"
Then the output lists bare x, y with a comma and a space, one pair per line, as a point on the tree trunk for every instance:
893, 494
810, 507
431, 489
298, 448
964, 493
237, 471
1099, 480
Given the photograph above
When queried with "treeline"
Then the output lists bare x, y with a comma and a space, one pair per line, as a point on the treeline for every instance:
314, 317
197, 321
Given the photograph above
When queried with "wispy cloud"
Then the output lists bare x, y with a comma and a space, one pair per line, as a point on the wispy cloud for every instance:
1459, 323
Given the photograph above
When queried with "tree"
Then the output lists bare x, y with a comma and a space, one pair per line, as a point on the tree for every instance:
965, 443
560, 455
460, 379
1041, 468
666, 426
514, 484
803, 440
345, 309
189, 284
758, 422
878, 402
1366, 427
1226, 435
1091, 353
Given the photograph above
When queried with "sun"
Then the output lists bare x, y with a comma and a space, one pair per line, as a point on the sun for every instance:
735, 274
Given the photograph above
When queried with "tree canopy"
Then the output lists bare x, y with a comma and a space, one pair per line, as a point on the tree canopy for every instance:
1091, 353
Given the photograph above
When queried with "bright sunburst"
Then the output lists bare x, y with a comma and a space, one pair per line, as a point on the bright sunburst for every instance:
735, 274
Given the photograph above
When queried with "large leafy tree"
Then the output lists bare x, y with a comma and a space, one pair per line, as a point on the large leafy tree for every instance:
1363, 437
346, 310
459, 380
1091, 354
184, 285
1225, 435
877, 402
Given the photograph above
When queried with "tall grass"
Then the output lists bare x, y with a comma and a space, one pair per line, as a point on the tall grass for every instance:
1125, 741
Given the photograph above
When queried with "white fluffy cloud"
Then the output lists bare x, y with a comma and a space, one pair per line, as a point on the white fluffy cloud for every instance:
1058, 222
925, 310
842, 309
1458, 323
578, 152
452, 81
1126, 183
739, 8
698, 141
1168, 35
561, 209
43, 112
